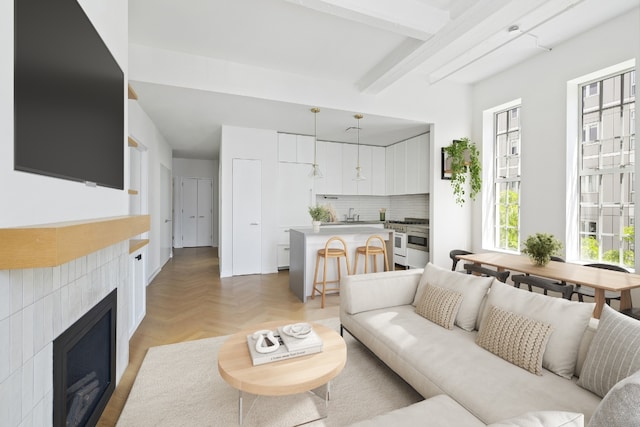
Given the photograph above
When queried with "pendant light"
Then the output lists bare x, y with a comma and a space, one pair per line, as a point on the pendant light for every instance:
315, 169
359, 175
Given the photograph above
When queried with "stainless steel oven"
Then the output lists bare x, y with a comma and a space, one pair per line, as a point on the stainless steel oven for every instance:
418, 238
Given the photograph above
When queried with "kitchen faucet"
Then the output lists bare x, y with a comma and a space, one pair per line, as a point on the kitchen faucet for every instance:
350, 213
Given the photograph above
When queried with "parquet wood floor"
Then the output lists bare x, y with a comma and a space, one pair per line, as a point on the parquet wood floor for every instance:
188, 300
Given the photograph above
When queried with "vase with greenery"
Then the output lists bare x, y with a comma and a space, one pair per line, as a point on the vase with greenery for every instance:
540, 247
318, 214
463, 160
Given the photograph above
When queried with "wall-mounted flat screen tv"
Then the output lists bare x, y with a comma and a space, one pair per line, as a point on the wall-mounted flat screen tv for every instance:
69, 96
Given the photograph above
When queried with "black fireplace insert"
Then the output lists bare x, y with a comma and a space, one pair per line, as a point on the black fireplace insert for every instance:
84, 366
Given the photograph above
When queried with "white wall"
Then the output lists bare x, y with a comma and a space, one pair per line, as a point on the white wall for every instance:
541, 84
143, 130
197, 168
446, 105
258, 144
35, 199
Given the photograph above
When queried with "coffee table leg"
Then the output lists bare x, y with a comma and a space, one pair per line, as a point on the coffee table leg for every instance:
245, 403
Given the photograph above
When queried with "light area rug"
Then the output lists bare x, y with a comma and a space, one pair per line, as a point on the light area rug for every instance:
179, 385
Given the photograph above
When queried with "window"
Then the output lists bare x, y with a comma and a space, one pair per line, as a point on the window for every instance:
606, 168
507, 179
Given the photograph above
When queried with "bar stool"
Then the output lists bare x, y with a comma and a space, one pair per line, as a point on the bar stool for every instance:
325, 254
373, 250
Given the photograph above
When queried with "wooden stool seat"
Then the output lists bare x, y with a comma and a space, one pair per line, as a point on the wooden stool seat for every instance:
324, 254
373, 250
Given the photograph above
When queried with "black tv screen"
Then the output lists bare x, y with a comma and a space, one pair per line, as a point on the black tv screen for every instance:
68, 96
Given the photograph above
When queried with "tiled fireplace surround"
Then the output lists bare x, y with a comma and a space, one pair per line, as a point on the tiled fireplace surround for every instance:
36, 306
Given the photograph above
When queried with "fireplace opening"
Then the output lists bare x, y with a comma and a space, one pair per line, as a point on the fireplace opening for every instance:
84, 366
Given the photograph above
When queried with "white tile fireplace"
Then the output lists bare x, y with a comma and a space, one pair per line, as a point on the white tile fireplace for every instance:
36, 306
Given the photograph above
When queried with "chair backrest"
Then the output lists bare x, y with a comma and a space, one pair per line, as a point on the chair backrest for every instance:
557, 258
607, 267
454, 257
328, 246
545, 284
374, 238
475, 268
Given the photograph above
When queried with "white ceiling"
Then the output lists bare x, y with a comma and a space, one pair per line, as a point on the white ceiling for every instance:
369, 44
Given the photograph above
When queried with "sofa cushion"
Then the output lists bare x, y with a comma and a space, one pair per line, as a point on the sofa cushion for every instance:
441, 411
614, 353
569, 319
543, 419
620, 406
473, 290
515, 338
439, 305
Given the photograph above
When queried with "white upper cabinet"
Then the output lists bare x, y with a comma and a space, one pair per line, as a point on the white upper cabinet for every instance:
295, 148
407, 166
366, 163
330, 163
304, 149
349, 163
400, 168
378, 171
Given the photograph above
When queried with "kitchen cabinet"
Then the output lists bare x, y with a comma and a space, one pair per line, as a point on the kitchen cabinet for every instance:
330, 162
294, 196
417, 164
378, 171
407, 166
349, 160
295, 148
400, 168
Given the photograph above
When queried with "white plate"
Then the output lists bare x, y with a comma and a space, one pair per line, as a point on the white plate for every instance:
297, 330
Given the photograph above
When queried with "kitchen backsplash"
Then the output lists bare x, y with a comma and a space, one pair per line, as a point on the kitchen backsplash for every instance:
368, 207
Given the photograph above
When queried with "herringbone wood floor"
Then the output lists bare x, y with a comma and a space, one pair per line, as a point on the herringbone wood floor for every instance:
188, 300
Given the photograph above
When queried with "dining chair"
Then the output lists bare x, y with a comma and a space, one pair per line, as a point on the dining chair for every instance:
583, 291
484, 271
545, 284
454, 257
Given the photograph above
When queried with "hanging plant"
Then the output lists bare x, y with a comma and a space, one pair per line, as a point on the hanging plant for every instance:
462, 159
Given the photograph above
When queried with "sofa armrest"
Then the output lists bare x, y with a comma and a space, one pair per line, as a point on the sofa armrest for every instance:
364, 292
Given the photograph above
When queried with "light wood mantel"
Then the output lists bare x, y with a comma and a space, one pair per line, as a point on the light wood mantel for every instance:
49, 245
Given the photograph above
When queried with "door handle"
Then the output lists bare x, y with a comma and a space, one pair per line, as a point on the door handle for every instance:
167, 220
201, 216
254, 223
192, 216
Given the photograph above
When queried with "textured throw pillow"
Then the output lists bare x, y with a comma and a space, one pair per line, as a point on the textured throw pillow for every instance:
614, 353
439, 305
515, 338
543, 419
569, 320
473, 290
620, 407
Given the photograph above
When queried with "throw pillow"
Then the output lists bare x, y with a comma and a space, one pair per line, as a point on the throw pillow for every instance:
619, 408
473, 290
439, 305
515, 338
543, 419
569, 320
614, 353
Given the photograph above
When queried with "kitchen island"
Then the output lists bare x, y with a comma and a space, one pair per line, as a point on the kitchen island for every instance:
304, 244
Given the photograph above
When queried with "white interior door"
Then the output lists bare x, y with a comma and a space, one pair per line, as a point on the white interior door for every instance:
165, 214
247, 206
205, 213
189, 212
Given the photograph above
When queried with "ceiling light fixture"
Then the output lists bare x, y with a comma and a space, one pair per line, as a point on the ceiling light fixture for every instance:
516, 29
315, 169
359, 175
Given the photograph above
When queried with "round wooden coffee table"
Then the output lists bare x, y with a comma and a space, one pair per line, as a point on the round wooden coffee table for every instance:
284, 377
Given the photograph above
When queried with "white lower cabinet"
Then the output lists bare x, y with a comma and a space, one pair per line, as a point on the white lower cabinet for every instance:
283, 256
137, 290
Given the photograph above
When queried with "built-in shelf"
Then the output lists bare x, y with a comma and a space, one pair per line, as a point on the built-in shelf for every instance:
136, 244
133, 192
132, 142
49, 245
132, 93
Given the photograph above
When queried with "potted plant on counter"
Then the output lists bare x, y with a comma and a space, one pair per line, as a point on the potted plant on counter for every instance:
462, 159
318, 214
540, 247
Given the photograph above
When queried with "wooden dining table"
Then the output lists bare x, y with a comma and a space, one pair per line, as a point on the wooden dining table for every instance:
599, 279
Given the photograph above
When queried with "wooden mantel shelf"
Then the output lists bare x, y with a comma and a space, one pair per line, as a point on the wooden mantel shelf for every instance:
49, 245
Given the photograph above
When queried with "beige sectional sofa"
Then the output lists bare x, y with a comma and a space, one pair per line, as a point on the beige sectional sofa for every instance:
463, 382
